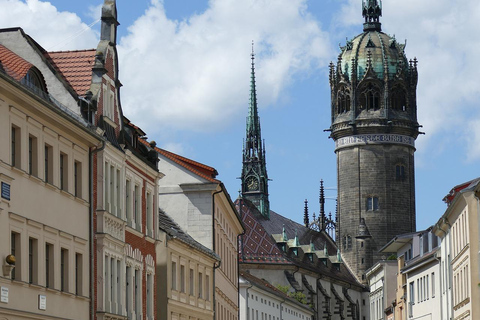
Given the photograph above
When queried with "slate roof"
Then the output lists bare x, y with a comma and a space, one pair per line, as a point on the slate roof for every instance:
15, 66
75, 67
169, 226
260, 247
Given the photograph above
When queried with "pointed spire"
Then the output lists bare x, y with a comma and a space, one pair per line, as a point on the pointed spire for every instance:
372, 11
254, 170
253, 123
305, 214
321, 216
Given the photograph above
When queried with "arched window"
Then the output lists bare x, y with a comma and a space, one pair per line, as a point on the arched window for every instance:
34, 80
343, 100
369, 97
398, 99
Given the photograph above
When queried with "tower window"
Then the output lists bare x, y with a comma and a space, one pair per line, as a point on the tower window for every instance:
343, 100
398, 99
370, 97
372, 203
400, 172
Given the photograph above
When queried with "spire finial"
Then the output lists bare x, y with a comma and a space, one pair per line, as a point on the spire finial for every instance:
372, 11
305, 214
321, 215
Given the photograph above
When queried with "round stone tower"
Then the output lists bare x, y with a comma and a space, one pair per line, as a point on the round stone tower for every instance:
374, 126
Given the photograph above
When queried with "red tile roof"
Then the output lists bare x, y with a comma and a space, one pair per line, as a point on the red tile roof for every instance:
13, 64
75, 67
198, 168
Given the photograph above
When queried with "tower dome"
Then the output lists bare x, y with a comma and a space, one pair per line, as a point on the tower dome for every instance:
373, 79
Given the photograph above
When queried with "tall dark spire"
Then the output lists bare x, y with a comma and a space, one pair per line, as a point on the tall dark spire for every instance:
254, 170
372, 11
321, 216
306, 219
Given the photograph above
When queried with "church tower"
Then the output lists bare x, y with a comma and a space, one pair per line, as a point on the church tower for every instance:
254, 170
374, 126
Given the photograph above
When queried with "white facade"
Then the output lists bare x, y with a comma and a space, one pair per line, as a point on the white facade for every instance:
382, 281
259, 300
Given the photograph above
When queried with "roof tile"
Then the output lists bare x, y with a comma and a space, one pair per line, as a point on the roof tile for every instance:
75, 67
14, 65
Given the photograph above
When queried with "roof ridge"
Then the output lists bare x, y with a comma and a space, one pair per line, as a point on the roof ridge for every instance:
68, 51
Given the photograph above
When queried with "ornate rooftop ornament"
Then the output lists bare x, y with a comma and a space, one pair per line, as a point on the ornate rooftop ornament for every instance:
372, 11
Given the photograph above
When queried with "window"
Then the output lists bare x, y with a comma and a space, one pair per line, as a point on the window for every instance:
112, 175
119, 197
77, 177
174, 275
137, 293
32, 156
150, 296
137, 215
78, 273
200, 285
63, 269
343, 100
370, 97
32, 261
400, 172
128, 293
398, 99
15, 251
48, 164
372, 203
128, 202
49, 265
16, 147
182, 278
63, 171
149, 214
192, 286
207, 287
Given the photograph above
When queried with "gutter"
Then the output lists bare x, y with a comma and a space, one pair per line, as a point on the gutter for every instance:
90, 235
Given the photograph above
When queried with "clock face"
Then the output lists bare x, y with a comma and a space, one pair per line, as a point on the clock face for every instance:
252, 183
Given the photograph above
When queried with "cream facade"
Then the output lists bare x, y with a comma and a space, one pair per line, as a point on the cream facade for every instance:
459, 230
44, 204
185, 274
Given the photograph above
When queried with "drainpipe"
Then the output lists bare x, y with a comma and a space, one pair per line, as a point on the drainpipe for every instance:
91, 231
213, 246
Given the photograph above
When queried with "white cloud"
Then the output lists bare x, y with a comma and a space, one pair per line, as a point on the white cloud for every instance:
194, 74
54, 30
440, 34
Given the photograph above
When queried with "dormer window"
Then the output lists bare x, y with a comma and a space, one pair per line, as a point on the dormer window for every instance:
34, 80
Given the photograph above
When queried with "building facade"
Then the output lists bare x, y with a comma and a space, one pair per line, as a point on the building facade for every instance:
44, 160
199, 203
261, 300
374, 126
185, 274
459, 230
382, 280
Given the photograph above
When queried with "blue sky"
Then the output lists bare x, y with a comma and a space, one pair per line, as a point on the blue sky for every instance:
185, 68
